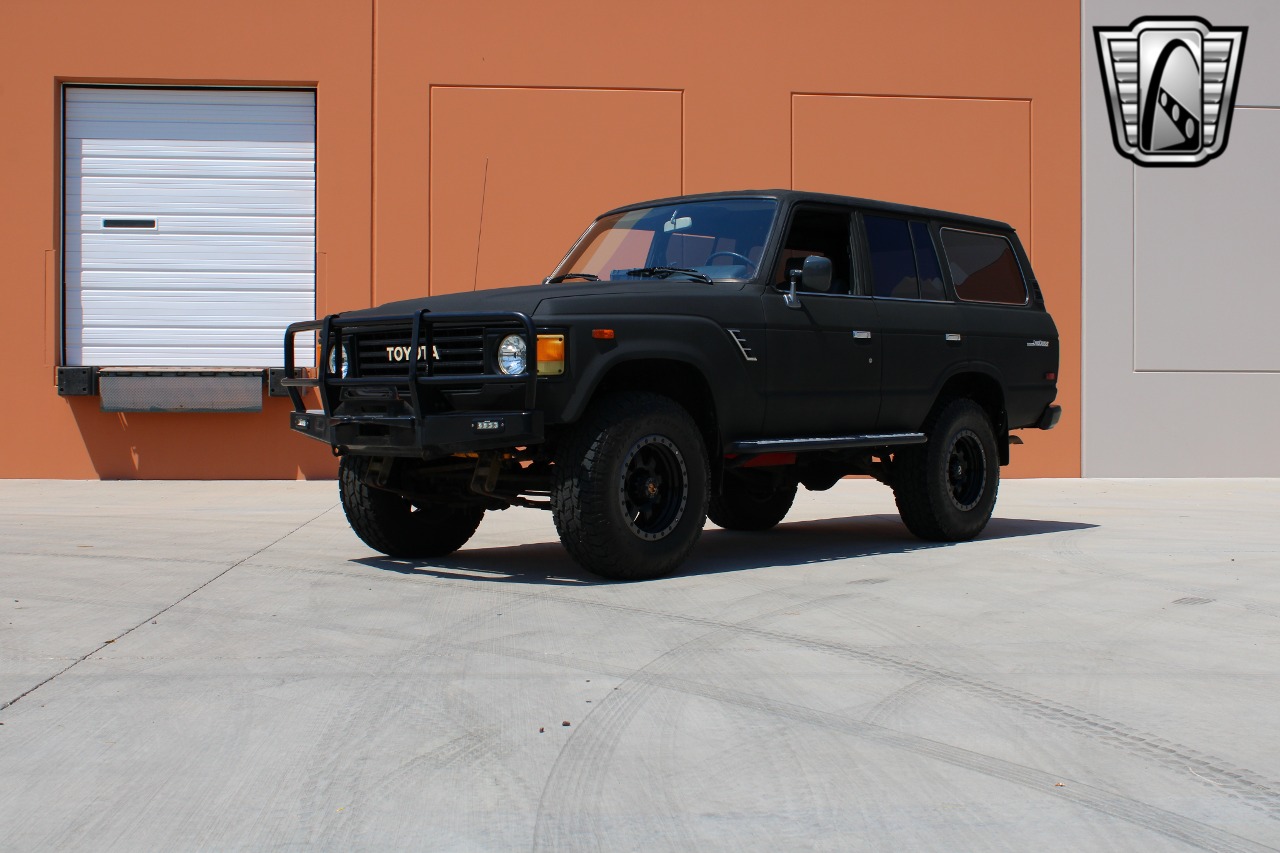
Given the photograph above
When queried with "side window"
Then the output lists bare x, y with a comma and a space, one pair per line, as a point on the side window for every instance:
893, 263
983, 267
927, 263
817, 232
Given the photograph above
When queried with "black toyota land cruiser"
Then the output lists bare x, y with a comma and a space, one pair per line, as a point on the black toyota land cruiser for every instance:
692, 357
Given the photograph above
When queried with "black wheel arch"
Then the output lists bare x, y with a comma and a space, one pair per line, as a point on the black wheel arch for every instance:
984, 388
676, 362
679, 381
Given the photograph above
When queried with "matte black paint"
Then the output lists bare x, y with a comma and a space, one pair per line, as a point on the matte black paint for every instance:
812, 377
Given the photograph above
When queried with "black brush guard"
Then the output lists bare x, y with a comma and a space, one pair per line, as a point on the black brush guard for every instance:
421, 433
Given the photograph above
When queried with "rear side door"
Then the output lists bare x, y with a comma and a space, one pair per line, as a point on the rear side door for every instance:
1013, 337
923, 330
824, 355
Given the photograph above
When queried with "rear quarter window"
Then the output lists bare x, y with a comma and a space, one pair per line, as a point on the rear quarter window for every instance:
983, 267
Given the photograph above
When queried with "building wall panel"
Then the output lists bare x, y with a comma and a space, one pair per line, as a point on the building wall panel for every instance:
737, 120
707, 112
517, 174
966, 154
1178, 302
1205, 295
43, 46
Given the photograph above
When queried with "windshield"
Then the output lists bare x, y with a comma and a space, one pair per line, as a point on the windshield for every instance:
720, 240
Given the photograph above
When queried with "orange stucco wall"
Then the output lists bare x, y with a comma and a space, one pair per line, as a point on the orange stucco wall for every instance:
466, 145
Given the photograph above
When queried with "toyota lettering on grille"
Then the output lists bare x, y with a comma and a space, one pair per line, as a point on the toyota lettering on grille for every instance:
402, 353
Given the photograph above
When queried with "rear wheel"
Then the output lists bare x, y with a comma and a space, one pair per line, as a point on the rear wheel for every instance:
752, 501
946, 489
393, 525
630, 491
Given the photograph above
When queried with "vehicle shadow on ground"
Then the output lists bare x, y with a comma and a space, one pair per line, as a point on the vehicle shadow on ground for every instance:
797, 543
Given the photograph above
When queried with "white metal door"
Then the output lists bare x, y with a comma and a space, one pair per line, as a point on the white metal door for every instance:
190, 225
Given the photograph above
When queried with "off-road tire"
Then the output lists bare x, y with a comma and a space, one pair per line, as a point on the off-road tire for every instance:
748, 503
946, 489
392, 525
630, 489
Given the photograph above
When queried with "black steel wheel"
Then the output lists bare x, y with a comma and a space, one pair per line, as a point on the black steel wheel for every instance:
654, 488
394, 526
966, 470
946, 489
630, 490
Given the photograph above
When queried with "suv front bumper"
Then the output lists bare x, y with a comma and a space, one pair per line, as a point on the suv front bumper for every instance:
430, 436
416, 428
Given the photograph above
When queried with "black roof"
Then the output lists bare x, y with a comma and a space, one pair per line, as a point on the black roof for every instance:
789, 197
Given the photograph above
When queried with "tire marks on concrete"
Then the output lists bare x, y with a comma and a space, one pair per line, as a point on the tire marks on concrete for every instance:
583, 767
555, 830
1251, 788
1219, 775
586, 761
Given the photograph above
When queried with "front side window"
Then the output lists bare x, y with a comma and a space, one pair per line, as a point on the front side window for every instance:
983, 267
721, 239
821, 232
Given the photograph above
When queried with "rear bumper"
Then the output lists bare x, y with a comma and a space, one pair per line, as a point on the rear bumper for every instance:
1049, 417
428, 437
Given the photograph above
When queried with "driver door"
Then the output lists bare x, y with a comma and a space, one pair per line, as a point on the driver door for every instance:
824, 355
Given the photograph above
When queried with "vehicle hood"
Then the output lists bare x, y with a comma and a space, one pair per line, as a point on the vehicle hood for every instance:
528, 298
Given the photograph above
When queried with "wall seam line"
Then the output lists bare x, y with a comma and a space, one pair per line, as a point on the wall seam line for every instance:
909, 97
1084, 169
1031, 174
522, 88
683, 152
431, 187
373, 154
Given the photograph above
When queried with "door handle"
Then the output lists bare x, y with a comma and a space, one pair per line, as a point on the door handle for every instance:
862, 336
953, 338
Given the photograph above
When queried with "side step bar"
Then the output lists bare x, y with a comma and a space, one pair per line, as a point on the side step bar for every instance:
838, 442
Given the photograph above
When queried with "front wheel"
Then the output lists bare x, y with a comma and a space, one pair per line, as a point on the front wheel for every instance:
946, 489
630, 491
388, 523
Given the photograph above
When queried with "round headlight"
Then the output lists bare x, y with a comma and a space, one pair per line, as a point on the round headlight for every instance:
512, 355
346, 359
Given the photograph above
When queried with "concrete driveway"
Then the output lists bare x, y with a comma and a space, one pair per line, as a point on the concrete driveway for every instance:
225, 666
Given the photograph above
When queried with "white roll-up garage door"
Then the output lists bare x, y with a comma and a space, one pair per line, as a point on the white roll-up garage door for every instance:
190, 225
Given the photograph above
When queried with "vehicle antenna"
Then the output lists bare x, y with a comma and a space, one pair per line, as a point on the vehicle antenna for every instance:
484, 186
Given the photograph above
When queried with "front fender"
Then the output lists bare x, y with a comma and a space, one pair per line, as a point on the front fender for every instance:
703, 345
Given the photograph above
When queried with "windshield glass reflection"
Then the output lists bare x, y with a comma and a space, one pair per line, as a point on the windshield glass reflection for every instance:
717, 240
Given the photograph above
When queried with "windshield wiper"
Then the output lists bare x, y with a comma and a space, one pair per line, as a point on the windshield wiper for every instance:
566, 276
667, 272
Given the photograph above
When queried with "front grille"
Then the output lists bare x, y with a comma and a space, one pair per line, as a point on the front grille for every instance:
455, 351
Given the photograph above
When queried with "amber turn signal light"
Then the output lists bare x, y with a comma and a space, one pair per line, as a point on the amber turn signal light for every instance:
602, 334
550, 355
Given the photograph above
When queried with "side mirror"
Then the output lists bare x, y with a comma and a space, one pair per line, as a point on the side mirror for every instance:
816, 273
789, 295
